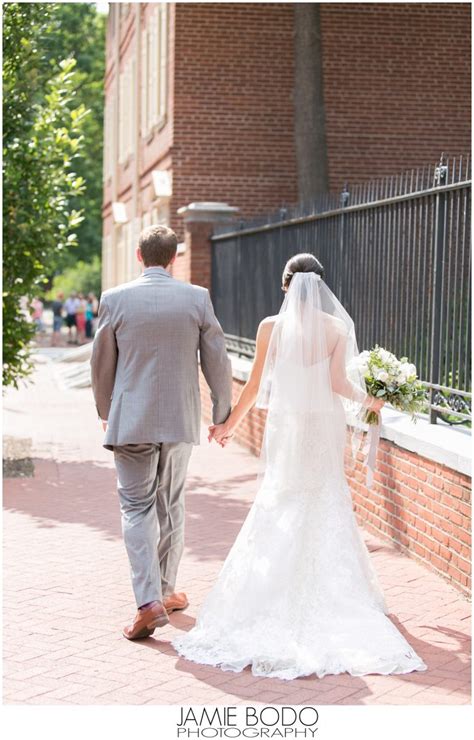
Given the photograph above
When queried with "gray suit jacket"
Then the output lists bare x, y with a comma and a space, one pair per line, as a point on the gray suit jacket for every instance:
145, 373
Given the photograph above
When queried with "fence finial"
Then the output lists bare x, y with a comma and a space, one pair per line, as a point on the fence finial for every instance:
345, 195
441, 171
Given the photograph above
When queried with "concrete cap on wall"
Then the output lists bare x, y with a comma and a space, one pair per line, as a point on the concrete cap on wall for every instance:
208, 212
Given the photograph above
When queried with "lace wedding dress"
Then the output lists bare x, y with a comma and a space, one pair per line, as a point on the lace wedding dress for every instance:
297, 594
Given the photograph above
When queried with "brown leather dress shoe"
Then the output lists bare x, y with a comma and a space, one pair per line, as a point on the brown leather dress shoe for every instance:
146, 621
175, 602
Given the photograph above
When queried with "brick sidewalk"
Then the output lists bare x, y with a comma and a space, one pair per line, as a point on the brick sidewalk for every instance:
67, 592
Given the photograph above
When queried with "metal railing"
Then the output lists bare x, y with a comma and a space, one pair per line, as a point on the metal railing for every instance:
396, 252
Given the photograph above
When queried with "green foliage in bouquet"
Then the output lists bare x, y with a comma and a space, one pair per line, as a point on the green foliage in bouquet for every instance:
394, 380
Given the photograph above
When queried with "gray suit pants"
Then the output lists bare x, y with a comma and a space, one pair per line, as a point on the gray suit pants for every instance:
150, 483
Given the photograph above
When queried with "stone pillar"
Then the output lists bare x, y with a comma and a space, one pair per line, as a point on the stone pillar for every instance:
200, 220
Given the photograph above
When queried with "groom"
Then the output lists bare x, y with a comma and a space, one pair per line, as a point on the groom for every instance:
145, 380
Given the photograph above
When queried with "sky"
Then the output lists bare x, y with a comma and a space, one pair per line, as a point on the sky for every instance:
102, 7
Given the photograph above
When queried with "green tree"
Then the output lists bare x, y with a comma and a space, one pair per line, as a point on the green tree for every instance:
83, 277
78, 31
42, 139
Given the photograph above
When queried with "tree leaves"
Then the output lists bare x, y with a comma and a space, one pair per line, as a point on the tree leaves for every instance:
43, 128
84, 277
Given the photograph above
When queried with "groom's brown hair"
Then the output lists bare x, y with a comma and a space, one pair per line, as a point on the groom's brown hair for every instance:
158, 245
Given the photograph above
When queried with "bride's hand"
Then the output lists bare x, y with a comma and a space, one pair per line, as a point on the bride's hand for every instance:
375, 404
221, 433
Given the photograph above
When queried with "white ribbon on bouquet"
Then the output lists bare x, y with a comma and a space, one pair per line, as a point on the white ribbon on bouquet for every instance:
373, 437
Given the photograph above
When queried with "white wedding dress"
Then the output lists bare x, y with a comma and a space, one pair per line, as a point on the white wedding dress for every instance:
297, 594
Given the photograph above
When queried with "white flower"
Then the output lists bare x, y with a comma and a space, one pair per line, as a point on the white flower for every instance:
407, 371
385, 355
359, 363
384, 367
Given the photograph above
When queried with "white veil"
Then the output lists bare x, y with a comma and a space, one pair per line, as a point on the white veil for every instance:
314, 394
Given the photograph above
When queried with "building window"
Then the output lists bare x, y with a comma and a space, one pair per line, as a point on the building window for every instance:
111, 21
107, 263
122, 113
109, 135
124, 10
146, 220
143, 83
126, 111
154, 69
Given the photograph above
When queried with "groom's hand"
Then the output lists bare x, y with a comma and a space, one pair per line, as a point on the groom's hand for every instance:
104, 425
220, 434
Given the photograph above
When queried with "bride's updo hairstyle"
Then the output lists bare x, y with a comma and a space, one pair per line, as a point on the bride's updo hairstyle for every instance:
303, 262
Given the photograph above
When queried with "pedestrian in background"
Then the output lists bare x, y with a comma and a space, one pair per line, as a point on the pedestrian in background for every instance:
71, 307
95, 312
81, 319
89, 315
37, 305
57, 307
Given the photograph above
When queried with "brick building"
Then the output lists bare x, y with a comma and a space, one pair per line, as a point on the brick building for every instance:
199, 106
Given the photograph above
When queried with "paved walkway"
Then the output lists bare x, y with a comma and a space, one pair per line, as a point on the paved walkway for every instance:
67, 592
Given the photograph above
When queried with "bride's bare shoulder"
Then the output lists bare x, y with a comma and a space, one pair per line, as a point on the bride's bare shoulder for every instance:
266, 325
265, 329
269, 320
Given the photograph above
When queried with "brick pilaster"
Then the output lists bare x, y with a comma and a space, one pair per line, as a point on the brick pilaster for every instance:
200, 220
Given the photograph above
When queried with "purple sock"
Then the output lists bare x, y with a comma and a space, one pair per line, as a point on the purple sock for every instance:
148, 604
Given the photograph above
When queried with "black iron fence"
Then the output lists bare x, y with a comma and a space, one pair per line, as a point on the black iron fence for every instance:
396, 252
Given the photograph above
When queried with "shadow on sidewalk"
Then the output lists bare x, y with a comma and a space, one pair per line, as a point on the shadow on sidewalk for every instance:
208, 503
85, 493
67, 492
244, 685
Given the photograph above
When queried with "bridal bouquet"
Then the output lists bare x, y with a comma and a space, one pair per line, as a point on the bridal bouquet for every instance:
391, 379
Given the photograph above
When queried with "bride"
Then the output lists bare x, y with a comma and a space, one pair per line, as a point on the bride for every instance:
297, 594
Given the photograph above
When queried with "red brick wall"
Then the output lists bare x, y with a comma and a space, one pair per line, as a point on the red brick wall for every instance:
195, 264
181, 269
397, 85
422, 506
233, 107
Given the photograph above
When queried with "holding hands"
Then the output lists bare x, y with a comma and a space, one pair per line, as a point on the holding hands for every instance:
221, 433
